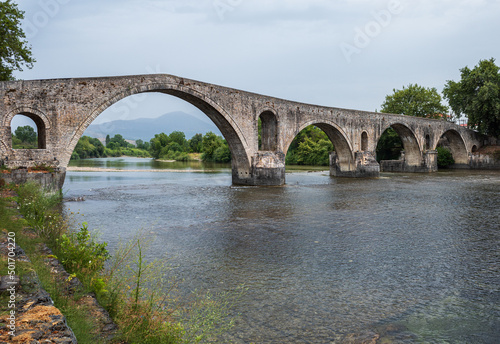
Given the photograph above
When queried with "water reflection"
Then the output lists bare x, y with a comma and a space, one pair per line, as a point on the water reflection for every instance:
412, 258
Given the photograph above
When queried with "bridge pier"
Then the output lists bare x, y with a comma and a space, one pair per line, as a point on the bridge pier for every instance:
267, 169
428, 164
365, 166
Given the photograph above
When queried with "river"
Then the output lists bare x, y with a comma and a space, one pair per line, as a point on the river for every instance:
405, 258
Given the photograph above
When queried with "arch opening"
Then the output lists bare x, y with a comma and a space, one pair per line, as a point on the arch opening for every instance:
268, 131
427, 142
398, 142
364, 141
313, 144
453, 142
219, 120
28, 131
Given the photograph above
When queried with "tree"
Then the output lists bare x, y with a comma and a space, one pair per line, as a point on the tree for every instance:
444, 158
118, 141
26, 134
416, 101
179, 137
14, 50
477, 96
209, 144
413, 100
310, 147
195, 143
389, 146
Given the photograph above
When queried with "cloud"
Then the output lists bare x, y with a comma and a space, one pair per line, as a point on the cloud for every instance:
289, 49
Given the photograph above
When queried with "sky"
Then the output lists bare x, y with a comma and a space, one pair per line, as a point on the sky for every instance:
345, 53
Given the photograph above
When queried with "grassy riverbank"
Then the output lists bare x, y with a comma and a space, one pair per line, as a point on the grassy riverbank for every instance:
141, 296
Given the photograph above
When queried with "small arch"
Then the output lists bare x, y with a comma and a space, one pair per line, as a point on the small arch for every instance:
452, 140
474, 149
268, 131
364, 141
427, 142
39, 123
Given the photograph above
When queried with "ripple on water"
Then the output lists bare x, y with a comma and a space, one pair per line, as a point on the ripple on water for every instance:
404, 258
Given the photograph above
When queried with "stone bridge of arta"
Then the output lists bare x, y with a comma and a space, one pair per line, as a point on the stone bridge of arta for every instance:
63, 108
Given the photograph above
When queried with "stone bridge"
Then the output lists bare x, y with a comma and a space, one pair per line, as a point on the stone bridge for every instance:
63, 108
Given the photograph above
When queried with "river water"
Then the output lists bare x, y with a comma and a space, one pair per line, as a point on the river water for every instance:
405, 258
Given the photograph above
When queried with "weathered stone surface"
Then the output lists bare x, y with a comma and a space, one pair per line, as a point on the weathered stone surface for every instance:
64, 108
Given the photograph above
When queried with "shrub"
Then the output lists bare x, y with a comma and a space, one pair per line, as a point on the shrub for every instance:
81, 254
42, 167
444, 158
39, 210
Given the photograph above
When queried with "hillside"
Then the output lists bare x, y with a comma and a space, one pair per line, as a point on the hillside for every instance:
146, 128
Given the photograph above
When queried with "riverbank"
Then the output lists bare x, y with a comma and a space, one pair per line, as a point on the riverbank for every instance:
140, 300
37, 296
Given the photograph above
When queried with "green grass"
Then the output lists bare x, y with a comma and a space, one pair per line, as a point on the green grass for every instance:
77, 317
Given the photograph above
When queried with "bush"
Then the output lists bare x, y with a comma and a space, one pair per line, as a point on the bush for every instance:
81, 254
444, 158
39, 209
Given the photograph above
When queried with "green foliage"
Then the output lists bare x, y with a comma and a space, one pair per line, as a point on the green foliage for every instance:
195, 143
142, 297
389, 146
209, 145
26, 134
416, 101
76, 314
118, 142
14, 50
477, 96
142, 145
80, 253
444, 158
175, 147
310, 147
39, 208
222, 154
88, 147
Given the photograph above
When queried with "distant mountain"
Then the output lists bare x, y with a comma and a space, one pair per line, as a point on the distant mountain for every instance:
146, 128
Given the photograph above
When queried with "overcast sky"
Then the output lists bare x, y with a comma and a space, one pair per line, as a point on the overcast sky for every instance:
347, 54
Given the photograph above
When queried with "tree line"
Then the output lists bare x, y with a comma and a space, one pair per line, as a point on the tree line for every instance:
209, 147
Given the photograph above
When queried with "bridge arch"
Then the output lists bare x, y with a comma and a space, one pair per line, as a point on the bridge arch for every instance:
221, 118
41, 121
412, 152
337, 136
457, 146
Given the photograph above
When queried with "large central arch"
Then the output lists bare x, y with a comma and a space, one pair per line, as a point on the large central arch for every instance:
221, 118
